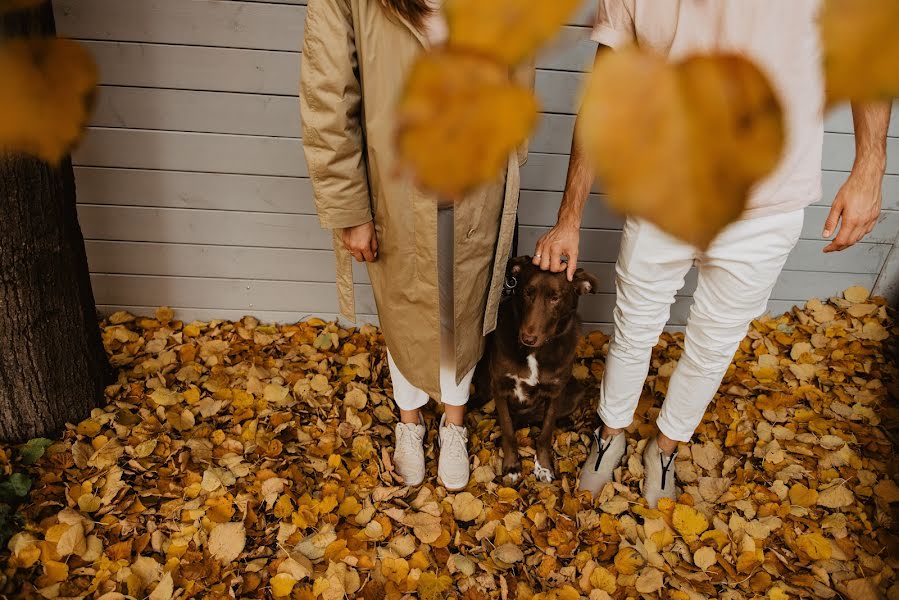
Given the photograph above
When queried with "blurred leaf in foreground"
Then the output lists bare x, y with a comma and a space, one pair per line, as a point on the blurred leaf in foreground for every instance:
681, 144
11, 5
461, 117
506, 30
47, 92
861, 49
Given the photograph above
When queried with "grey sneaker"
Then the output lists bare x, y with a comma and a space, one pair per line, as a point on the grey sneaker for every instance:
409, 453
658, 481
605, 456
453, 468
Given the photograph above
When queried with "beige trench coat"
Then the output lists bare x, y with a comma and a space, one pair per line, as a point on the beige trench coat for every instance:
356, 55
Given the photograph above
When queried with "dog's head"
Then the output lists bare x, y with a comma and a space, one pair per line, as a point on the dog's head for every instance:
546, 301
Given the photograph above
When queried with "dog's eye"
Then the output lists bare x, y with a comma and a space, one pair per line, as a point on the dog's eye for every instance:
555, 298
528, 291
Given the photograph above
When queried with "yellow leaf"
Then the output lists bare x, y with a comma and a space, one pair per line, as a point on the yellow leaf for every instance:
454, 102
628, 561
856, 294
506, 30
803, 496
282, 585
220, 510
815, 546
395, 569
716, 129
507, 555
431, 586
860, 48
46, 97
227, 541
56, 571
466, 507
705, 557
836, 496
649, 581
89, 503
602, 579
689, 522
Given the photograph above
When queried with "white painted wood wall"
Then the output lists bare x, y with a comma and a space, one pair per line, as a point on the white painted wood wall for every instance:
193, 191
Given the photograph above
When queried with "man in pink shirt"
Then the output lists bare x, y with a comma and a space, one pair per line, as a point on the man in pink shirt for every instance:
740, 268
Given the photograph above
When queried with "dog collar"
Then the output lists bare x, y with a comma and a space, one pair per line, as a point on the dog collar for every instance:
509, 285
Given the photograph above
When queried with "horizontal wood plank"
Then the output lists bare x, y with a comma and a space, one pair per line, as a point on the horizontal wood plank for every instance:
235, 294
225, 228
203, 152
181, 189
278, 264
197, 22
260, 155
259, 193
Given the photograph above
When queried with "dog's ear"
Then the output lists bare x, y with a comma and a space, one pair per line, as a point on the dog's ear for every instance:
585, 283
517, 264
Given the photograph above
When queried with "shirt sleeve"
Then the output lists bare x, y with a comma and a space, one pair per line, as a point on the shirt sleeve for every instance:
614, 26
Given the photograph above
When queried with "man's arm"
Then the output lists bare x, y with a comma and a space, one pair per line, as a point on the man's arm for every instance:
857, 204
564, 237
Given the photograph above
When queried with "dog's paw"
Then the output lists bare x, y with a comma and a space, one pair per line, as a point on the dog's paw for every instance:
512, 477
542, 473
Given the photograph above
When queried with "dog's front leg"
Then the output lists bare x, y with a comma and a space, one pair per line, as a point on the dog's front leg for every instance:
543, 462
511, 462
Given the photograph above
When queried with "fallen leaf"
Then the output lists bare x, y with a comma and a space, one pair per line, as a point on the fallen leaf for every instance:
705, 557
227, 541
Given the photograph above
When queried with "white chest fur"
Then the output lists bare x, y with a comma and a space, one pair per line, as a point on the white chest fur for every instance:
531, 379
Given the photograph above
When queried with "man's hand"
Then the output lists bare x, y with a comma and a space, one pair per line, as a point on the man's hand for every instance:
856, 208
857, 204
560, 241
361, 241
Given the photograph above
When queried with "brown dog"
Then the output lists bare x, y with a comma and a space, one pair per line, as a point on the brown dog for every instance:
528, 361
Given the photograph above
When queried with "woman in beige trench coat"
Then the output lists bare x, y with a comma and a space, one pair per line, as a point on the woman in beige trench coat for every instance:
436, 270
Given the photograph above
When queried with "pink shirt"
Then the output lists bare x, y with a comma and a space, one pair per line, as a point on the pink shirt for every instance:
781, 36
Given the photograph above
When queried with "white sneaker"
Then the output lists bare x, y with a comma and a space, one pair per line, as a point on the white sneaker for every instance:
409, 453
453, 468
658, 481
604, 458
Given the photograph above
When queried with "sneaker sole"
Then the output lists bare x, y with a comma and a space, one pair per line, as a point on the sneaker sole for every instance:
450, 488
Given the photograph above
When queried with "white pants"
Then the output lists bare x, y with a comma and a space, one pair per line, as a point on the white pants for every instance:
406, 395
736, 276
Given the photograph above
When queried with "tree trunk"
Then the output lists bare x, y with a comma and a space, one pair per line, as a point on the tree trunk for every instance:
52, 364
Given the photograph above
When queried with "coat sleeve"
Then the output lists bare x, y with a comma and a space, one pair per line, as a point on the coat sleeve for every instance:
331, 112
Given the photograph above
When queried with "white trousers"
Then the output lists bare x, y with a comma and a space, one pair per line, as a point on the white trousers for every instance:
406, 395
736, 276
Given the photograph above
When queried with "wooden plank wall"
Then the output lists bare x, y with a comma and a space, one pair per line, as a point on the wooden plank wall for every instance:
193, 191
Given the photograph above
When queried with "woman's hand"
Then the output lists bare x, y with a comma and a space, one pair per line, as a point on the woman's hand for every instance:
361, 241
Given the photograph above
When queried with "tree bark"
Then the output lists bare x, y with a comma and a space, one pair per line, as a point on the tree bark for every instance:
52, 364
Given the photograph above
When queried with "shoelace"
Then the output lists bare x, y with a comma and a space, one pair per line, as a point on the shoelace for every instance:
603, 445
456, 443
666, 465
408, 436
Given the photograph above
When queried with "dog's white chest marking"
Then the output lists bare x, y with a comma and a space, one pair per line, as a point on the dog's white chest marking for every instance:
531, 379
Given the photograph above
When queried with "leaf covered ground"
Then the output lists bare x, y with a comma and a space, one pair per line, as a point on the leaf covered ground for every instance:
236, 459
